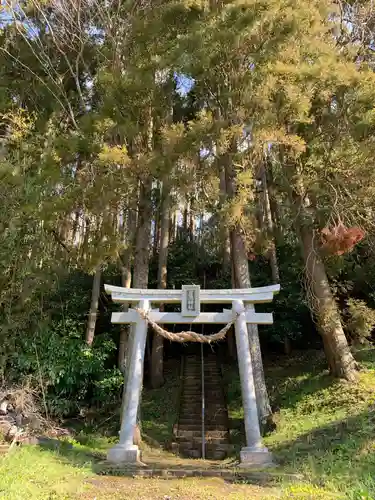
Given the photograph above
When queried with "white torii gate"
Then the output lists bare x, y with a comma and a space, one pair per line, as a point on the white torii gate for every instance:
190, 298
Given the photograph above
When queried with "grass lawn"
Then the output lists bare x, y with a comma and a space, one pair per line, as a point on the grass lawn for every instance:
325, 431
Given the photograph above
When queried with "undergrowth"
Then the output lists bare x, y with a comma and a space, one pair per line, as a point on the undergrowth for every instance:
325, 433
325, 427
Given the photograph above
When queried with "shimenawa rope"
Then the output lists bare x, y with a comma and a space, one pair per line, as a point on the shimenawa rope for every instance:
187, 336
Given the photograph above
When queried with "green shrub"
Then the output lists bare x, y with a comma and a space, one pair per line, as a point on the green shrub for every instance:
361, 320
70, 373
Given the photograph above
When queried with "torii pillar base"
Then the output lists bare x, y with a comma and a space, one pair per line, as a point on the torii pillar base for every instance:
255, 457
121, 455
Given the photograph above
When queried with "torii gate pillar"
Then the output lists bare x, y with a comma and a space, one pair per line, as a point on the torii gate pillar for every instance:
254, 453
125, 451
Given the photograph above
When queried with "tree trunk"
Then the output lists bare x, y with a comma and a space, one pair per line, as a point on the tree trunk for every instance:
126, 278
91, 323
274, 208
185, 220
268, 221
142, 245
156, 234
324, 308
157, 355
192, 219
321, 301
224, 229
242, 280
287, 346
174, 228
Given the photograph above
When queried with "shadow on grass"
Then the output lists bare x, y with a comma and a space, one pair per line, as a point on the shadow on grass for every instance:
72, 455
342, 453
287, 379
366, 356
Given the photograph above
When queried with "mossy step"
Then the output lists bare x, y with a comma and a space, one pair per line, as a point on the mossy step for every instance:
179, 471
184, 433
198, 440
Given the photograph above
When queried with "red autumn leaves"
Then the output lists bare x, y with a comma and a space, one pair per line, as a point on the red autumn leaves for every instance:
341, 239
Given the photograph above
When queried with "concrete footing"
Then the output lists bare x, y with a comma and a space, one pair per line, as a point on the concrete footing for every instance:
255, 457
124, 455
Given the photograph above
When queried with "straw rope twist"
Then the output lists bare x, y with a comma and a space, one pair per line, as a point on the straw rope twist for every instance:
187, 336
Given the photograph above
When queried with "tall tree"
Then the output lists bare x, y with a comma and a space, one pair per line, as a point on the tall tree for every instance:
91, 323
157, 355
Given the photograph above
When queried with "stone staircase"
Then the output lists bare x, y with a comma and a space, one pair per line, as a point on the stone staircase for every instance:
189, 430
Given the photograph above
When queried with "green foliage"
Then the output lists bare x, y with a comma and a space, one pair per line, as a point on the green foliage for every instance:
361, 320
191, 263
48, 347
71, 374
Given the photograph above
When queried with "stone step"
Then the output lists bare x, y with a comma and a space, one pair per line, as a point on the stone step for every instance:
195, 405
218, 419
209, 417
223, 448
198, 427
188, 421
211, 453
197, 361
216, 403
190, 452
208, 420
189, 430
215, 411
193, 422
197, 373
193, 417
209, 434
193, 361
216, 454
198, 440
211, 408
208, 385
184, 429
189, 402
198, 368
208, 381
208, 393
